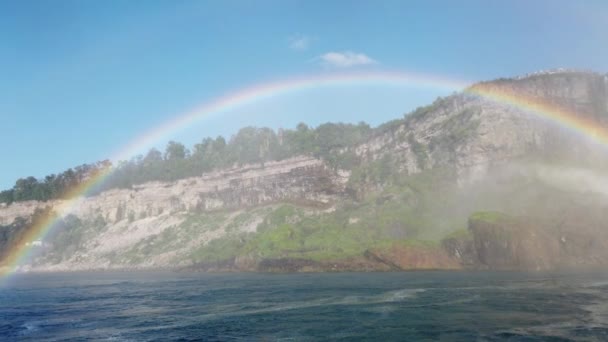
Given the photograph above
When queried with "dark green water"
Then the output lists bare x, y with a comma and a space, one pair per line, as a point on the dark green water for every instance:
415, 306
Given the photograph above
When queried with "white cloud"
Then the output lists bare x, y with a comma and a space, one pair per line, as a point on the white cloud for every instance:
346, 59
299, 43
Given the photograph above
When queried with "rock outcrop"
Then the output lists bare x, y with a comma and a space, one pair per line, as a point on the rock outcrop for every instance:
305, 214
473, 133
508, 243
302, 179
117, 225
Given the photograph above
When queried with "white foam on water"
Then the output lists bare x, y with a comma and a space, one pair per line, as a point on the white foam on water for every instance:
399, 295
600, 283
30, 327
598, 312
385, 297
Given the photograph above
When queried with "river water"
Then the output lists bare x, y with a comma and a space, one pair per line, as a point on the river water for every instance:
409, 306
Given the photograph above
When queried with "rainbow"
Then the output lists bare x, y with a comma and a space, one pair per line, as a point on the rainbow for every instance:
249, 95
245, 96
578, 124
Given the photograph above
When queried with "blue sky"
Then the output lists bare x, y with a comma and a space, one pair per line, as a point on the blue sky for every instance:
81, 79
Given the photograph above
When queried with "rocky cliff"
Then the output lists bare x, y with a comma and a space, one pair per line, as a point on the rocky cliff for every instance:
302, 179
403, 202
119, 222
472, 133
516, 243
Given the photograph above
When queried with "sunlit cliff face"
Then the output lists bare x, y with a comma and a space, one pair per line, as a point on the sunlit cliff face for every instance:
406, 185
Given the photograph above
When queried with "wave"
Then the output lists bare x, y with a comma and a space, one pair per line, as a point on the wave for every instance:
385, 297
30, 327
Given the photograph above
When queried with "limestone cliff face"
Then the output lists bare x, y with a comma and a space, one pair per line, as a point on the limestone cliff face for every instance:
474, 133
210, 222
506, 243
119, 226
303, 179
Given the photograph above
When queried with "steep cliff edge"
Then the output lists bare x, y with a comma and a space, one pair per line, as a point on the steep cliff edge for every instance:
502, 242
471, 134
301, 179
164, 224
403, 199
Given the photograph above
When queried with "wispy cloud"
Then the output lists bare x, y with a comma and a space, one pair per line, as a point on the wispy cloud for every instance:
299, 42
345, 59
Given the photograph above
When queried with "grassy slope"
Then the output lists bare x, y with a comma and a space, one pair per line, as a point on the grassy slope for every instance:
407, 213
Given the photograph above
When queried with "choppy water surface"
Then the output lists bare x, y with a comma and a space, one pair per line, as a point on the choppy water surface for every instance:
301, 307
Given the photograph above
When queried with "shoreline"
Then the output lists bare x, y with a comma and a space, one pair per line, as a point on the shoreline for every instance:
564, 270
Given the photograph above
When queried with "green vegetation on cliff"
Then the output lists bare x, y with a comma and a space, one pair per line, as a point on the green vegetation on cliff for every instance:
491, 217
335, 143
414, 184
408, 212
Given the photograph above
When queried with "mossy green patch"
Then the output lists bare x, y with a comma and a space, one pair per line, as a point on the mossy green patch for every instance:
460, 234
409, 210
491, 217
406, 243
221, 249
